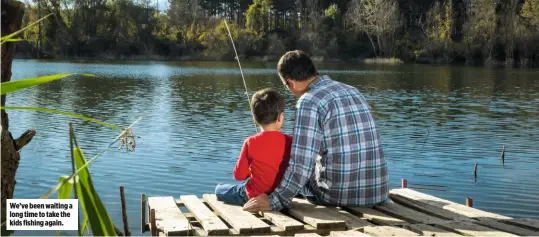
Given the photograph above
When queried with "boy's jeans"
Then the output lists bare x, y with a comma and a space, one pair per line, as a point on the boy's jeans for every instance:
232, 194
235, 194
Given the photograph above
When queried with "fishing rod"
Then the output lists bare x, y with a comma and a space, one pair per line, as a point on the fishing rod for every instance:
241, 71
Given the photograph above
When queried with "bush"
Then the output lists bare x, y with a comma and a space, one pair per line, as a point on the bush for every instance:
276, 46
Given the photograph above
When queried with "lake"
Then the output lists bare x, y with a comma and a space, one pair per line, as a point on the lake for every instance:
435, 122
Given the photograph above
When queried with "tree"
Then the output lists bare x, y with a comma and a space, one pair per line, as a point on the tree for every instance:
186, 16
12, 14
376, 18
480, 28
437, 28
257, 16
530, 11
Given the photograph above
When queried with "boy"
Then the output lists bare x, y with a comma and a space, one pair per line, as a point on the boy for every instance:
264, 157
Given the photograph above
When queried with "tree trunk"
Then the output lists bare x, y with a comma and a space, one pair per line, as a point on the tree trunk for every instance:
372, 43
12, 13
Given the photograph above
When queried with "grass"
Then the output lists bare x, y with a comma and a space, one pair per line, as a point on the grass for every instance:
386, 61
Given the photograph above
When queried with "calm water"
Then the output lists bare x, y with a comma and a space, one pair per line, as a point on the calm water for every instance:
435, 122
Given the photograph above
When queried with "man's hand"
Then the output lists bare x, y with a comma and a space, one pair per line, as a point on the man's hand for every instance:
258, 203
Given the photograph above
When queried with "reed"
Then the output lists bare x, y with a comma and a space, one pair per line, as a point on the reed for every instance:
95, 213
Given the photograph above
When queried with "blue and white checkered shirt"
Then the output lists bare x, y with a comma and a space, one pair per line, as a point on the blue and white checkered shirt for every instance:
336, 151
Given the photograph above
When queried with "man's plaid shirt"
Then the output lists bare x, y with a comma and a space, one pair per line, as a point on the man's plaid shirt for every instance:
336, 151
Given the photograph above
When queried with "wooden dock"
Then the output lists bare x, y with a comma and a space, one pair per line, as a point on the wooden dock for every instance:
410, 213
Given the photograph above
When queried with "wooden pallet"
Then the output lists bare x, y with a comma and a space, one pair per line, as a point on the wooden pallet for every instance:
410, 213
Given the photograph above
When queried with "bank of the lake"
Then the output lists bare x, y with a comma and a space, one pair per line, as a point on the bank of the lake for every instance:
436, 122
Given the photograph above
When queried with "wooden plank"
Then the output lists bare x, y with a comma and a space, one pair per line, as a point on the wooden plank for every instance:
492, 223
427, 230
319, 217
429, 209
209, 221
375, 216
445, 204
347, 233
308, 235
524, 222
168, 217
388, 231
352, 221
471, 229
283, 221
407, 214
242, 221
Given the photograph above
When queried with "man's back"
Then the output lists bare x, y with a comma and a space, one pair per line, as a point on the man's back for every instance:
350, 169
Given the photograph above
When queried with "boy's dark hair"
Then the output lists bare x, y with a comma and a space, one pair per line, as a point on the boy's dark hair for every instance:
267, 104
296, 65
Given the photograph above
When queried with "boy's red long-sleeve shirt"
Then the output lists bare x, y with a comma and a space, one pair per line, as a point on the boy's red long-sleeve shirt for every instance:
264, 158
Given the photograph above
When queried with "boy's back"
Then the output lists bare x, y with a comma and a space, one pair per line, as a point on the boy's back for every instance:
264, 158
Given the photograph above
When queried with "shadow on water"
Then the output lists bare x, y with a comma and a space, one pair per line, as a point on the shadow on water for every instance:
436, 122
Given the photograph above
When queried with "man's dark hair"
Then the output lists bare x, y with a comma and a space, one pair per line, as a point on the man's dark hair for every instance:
296, 65
267, 104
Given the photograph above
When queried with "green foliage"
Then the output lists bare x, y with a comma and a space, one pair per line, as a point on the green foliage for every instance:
256, 16
124, 29
53, 111
65, 190
6, 38
100, 221
333, 12
530, 11
12, 86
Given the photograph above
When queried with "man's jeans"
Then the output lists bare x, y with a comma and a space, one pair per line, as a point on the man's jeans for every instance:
236, 195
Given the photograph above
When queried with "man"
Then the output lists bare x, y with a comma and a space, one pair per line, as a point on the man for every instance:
336, 157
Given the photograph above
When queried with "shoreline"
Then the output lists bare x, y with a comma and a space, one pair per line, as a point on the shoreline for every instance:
272, 59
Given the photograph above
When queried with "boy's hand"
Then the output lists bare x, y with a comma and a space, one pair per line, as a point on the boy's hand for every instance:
258, 203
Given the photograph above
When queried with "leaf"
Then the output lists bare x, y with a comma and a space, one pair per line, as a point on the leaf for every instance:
12, 86
85, 225
14, 40
100, 221
8, 37
53, 111
56, 187
65, 189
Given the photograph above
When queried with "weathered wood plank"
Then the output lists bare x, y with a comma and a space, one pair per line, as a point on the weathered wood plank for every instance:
352, 221
347, 233
489, 222
308, 235
375, 216
426, 208
407, 214
388, 231
427, 230
319, 217
524, 222
283, 221
242, 221
168, 217
209, 221
445, 204
471, 229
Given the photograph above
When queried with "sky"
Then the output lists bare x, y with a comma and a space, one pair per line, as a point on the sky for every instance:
163, 5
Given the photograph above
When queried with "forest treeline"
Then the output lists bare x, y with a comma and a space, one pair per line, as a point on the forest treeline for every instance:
491, 32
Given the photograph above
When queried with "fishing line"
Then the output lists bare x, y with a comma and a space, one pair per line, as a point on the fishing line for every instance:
241, 71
